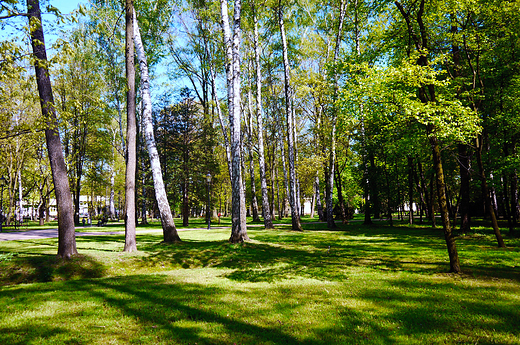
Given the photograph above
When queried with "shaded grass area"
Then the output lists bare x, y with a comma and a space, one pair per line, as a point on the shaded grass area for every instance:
357, 285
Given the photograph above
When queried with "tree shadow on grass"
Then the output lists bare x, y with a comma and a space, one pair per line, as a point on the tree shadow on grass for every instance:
265, 261
34, 268
424, 310
165, 312
278, 255
160, 309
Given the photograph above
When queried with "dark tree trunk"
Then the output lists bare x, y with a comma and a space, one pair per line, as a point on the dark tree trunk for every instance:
443, 205
464, 165
515, 209
375, 202
341, 200
410, 189
131, 134
66, 230
487, 195
424, 188
419, 188
427, 95
319, 206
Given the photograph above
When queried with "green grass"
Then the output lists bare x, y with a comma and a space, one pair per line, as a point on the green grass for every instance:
358, 285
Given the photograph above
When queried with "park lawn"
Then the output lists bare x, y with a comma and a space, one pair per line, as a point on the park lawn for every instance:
360, 285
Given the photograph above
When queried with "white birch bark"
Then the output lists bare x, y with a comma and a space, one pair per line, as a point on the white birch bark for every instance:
232, 46
112, 207
332, 157
169, 231
268, 220
220, 119
254, 201
295, 214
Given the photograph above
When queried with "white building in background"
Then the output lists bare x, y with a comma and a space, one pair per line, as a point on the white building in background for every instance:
84, 201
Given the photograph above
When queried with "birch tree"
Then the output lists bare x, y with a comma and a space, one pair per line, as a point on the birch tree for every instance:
169, 231
232, 46
268, 221
295, 213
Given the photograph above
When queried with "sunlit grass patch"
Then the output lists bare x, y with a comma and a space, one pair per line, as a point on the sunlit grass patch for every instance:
358, 285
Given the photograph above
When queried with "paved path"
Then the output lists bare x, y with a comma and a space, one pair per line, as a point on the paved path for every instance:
53, 233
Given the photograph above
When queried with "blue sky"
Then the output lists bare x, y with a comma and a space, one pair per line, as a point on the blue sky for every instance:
66, 6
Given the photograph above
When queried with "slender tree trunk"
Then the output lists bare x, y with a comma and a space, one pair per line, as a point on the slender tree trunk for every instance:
487, 196
313, 201
66, 230
441, 193
515, 210
232, 46
131, 133
410, 189
427, 95
112, 206
341, 200
295, 215
249, 127
419, 188
319, 206
169, 231
285, 178
268, 220
424, 187
464, 166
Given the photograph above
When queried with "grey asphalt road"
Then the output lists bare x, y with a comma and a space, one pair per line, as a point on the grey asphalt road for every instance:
52, 233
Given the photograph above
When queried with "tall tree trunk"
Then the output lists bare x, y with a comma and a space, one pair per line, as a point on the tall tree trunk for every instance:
419, 188
169, 231
249, 127
427, 95
341, 200
443, 205
487, 194
268, 220
66, 230
232, 46
319, 206
424, 187
285, 178
131, 133
295, 214
464, 166
515, 208
410, 189
112, 206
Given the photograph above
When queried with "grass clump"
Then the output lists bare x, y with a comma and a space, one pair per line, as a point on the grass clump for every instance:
359, 285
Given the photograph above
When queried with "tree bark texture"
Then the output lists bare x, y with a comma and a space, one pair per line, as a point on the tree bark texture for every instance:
66, 229
464, 167
254, 200
427, 95
443, 205
268, 220
319, 205
487, 194
131, 133
232, 47
169, 231
295, 214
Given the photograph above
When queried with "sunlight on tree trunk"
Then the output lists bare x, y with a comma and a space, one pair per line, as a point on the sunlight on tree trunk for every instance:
66, 230
131, 133
169, 231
